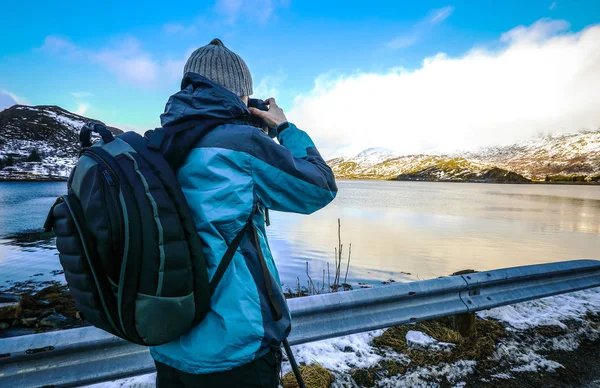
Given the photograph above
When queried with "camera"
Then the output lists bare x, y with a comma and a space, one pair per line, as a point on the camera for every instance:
257, 121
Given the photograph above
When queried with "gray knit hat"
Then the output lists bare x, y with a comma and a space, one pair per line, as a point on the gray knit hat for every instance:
222, 66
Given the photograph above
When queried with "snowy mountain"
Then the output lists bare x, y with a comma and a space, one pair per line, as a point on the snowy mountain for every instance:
373, 156
39, 142
569, 157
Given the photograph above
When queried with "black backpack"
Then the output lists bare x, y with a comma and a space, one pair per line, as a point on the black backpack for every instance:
126, 239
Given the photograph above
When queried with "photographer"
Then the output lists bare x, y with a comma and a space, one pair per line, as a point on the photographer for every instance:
234, 174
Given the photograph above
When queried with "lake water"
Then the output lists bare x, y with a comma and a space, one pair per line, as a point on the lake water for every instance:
398, 230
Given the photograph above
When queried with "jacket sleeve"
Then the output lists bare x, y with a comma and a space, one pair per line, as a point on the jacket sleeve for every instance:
290, 176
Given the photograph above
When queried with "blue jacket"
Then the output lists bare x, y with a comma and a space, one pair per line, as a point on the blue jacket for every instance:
233, 173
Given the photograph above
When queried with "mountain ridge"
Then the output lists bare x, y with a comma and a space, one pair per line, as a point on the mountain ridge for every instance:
40, 142
553, 158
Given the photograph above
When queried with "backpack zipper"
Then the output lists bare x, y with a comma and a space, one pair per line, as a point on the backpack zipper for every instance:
110, 177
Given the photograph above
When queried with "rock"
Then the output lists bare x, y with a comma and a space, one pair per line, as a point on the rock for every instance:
4, 325
10, 307
29, 314
28, 322
46, 313
54, 321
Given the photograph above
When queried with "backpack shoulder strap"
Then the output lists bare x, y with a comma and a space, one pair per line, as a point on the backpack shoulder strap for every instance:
276, 309
228, 256
176, 141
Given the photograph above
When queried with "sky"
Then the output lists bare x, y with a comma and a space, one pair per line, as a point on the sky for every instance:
414, 77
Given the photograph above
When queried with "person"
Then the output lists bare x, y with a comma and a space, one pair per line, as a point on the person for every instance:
231, 178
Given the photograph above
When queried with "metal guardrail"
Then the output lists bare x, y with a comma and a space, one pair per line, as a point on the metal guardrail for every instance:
88, 355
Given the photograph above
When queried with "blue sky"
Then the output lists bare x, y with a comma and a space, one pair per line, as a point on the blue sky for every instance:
120, 62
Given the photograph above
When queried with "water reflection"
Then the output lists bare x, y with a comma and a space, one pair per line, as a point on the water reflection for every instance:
433, 229
425, 229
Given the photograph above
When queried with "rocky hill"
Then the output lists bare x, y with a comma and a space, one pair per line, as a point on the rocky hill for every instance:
42, 142
557, 157
39, 142
569, 157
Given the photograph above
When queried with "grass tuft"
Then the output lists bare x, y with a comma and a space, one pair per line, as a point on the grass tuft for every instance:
314, 376
479, 347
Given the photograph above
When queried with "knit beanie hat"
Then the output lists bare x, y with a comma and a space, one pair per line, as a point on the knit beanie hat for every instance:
222, 66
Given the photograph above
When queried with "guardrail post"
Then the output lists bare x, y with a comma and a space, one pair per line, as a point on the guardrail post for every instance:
464, 324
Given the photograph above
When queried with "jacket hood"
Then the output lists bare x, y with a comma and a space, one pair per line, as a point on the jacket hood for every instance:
201, 99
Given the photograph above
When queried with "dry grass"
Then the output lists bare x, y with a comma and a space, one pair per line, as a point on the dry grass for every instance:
314, 376
478, 347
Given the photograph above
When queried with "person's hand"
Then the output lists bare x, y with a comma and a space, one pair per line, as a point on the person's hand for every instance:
273, 117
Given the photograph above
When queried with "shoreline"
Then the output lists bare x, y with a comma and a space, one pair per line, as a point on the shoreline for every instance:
4, 178
560, 183
46, 179
552, 347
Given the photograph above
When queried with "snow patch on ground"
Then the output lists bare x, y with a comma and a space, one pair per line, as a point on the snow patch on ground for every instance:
341, 354
419, 340
427, 376
143, 381
548, 311
502, 376
519, 352
75, 124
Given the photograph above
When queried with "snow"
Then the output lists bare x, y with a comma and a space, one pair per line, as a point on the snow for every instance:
567, 154
547, 311
75, 124
420, 339
372, 156
502, 376
521, 351
341, 354
143, 381
422, 377
53, 133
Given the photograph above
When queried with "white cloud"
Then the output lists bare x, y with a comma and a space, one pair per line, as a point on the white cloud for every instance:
439, 15
126, 59
268, 87
179, 29
552, 6
8, 99
80, 95
57, 44
540, 80
255, 10
129, 127
82, 107
539, 31
403, 41
420, 29
129, 62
